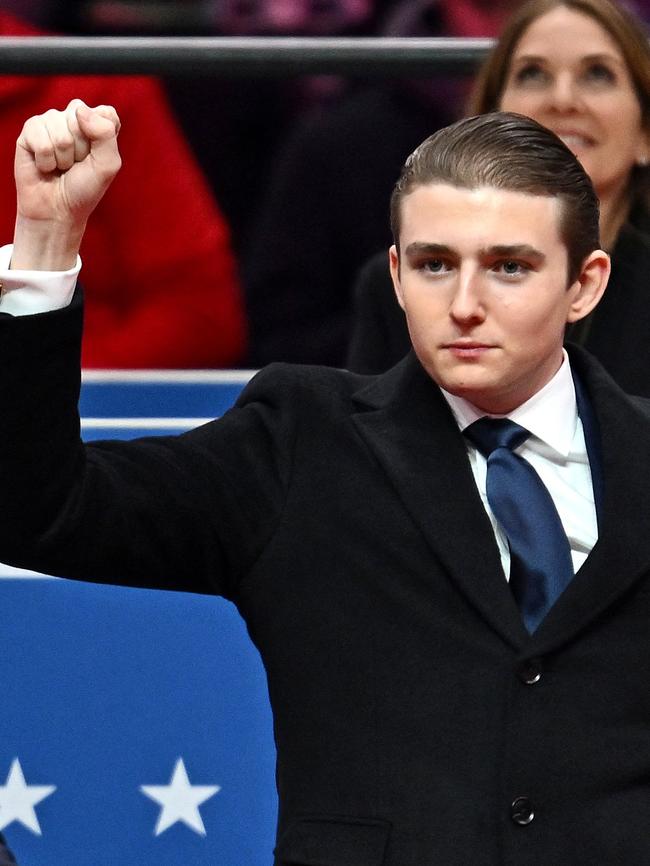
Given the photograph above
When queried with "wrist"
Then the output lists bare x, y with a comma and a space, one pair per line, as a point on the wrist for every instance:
45, 245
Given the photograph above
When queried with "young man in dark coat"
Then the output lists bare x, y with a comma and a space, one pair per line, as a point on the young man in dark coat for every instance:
451, 683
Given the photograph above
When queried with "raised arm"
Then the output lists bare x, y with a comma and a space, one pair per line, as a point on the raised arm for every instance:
65, 162
189, 512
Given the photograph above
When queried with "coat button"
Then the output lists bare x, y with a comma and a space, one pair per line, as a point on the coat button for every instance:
521, 811
530, 671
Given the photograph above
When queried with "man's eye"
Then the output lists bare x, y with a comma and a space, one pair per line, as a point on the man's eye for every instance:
510, 268
434, 266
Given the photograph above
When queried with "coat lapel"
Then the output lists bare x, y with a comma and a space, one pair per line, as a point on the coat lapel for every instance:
407, 423
622, 553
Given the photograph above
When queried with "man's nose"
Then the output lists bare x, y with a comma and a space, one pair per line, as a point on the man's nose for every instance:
467, 305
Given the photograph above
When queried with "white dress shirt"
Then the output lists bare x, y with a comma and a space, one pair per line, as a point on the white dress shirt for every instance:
27, 292
557, 451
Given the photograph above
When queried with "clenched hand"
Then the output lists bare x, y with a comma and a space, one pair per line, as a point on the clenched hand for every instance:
65, 162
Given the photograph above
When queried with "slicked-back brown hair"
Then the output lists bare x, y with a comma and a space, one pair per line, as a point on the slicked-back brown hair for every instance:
507, 151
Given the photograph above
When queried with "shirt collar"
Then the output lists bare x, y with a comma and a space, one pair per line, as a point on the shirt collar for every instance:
551, 414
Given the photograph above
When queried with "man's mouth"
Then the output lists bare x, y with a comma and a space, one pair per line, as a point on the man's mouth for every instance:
467, 348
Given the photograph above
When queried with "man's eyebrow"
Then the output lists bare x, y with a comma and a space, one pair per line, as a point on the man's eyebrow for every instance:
418, 248
514, 251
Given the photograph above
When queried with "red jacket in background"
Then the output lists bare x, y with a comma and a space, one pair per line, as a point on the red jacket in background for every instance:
159, 275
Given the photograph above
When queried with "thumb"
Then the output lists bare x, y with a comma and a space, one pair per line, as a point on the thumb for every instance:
101, 126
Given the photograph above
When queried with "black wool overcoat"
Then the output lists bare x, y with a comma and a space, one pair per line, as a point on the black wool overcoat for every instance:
417, 723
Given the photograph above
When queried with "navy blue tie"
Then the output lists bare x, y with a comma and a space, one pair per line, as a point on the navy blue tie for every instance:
541, 566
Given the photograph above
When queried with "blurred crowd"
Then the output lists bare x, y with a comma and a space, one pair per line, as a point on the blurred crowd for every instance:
246, 209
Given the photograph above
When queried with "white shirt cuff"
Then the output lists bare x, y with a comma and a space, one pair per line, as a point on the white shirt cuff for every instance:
25, 293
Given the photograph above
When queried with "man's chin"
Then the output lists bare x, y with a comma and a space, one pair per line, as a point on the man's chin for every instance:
465, 386
478, 394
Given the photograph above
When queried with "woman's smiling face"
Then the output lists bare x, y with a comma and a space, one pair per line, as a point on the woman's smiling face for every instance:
569, 74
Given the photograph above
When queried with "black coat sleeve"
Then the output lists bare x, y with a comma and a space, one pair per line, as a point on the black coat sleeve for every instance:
6, 857
187, 512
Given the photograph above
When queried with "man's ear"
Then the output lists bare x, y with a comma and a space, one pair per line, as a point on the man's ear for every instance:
393, 261
590, 285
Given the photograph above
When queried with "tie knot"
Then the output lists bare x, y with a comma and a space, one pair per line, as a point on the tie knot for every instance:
488, 434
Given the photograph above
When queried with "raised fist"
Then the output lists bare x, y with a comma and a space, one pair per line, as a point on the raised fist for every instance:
65, 162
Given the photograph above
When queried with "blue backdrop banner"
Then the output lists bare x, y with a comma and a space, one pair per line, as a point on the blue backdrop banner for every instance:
136, 728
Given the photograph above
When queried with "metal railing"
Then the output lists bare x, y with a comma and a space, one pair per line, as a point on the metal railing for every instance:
235, 56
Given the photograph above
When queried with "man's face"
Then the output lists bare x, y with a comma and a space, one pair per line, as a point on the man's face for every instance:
482, 278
